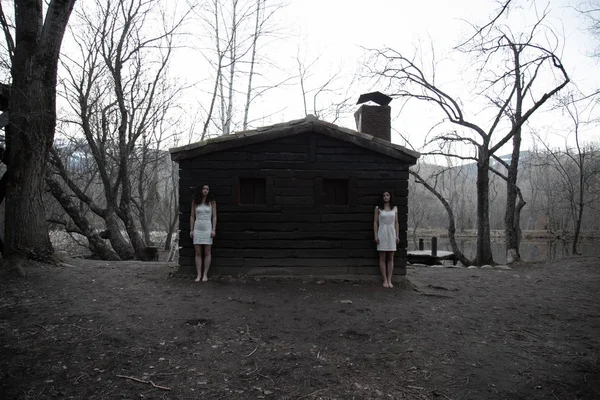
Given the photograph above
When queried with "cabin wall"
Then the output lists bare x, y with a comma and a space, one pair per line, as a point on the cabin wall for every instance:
294, 232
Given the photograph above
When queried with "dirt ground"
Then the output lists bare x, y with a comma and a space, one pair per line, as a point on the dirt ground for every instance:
98, 330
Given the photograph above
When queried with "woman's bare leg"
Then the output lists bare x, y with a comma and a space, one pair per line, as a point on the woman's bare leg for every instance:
382, 268
198, 261
390, 267
207, 260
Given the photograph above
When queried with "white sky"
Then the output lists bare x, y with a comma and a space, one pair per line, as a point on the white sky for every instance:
337, 31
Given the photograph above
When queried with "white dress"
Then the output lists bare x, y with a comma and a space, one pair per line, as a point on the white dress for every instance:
387, 230
203, 224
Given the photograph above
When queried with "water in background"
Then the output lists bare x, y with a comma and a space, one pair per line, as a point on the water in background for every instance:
537, 250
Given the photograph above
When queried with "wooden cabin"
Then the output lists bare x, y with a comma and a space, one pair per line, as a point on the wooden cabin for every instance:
297, 197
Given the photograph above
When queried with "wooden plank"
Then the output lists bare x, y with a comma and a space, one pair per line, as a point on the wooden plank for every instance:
348, 217
352, 150
270, 191
312, 148
365, 157
324, 235
281, 183
333, 166
307, 262
295, 191
276, 253
248, 208
237, 216
281, 244
324, 142
283, 226
360, 244
296, 157
380, 184
271, 270
370, 253
200, 164
295, 200
357, 209
403, 174
188, 186
386, 174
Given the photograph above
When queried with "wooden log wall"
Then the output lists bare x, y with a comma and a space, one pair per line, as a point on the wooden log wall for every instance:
294, 232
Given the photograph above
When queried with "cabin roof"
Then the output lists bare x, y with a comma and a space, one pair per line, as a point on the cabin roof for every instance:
292, 128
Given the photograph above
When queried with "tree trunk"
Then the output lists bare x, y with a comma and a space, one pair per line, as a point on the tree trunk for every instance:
484, 246
30, 131
117, 241
172, 227
511, 216
252, 62
451, 224
97, 245
139, 247
29, 136
577, 228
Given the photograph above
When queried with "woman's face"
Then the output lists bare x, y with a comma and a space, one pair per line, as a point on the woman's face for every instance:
386, 197
205, 190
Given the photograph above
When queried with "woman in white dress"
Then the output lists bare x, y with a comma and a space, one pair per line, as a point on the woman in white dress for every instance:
385, 226
203, 225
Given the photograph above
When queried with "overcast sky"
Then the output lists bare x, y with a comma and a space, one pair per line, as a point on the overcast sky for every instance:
338, 32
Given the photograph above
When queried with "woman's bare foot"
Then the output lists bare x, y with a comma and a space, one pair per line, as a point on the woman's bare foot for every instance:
204, 279
390, 284
197, 279
385, 284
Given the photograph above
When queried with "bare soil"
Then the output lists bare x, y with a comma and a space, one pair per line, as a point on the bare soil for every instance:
128, 330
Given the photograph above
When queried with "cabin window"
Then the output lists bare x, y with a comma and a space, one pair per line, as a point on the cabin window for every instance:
335, 192
252, 191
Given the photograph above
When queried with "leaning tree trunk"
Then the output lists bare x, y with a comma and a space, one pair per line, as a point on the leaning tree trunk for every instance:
117, 240
97, 244
451, 224
511, 217
484, 244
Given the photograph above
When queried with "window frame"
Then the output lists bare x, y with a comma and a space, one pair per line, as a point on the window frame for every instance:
325, 183
263, 182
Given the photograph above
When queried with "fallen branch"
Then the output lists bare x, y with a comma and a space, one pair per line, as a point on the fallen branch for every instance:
253, 351
143, 381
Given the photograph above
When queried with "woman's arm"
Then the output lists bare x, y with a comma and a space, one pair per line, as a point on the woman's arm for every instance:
375, 224
214, 219
192, 218
396, 225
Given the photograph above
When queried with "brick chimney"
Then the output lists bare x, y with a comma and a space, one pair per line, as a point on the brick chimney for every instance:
374, 119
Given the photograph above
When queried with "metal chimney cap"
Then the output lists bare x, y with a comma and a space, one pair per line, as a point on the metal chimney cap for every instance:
376, 97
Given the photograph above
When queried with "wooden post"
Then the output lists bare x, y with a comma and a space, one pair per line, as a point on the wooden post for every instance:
434, 246
421, 246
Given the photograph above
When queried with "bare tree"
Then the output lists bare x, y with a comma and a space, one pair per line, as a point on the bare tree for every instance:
236, 29
34, 46
116, 89
336, 99
493, 46
577, 168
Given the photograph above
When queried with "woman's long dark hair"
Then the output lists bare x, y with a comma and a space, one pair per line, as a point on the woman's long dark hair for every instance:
210, 198
381, 204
